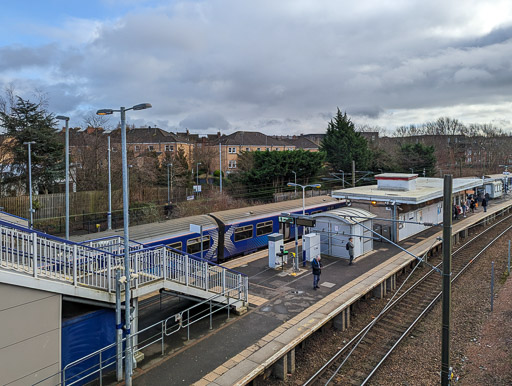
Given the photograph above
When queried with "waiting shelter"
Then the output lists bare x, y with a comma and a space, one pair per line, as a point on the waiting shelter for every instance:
337, 226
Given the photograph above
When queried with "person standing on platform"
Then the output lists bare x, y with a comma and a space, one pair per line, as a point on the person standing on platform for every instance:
484, 204
317, 270
350, 249
472, 205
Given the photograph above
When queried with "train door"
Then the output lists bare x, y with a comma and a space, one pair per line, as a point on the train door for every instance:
284, 229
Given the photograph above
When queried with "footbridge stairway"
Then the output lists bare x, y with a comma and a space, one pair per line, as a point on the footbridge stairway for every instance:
33, 259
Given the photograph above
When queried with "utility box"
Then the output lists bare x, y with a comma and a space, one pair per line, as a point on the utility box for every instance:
275, 243
310, 247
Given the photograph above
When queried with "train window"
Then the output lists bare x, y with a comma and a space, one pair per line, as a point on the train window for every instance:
243, 233
177, 245
194, 245
264, 228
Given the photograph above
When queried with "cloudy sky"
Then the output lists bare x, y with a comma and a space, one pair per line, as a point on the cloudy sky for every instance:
277, 66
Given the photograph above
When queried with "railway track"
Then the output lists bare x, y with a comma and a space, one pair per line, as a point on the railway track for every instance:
359, 359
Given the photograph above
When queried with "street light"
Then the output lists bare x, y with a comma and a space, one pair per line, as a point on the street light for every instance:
30, 182
303, 192
66, 119
126, 203
295, 180
197, 176
169, 191
109, 214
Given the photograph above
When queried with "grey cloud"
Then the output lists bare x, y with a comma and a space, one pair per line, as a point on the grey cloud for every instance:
281, 66
17, 57
204, 121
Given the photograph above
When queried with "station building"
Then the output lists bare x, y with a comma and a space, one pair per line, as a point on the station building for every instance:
405, 204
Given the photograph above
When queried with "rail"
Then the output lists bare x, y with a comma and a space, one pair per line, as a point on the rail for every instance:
349, 347
43, 256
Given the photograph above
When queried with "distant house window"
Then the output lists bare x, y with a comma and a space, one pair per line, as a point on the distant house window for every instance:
232, 164
268, 148
277, 149
232, 150
247, 149
258, 149
137, 147
169, 148
290, 148
151, 148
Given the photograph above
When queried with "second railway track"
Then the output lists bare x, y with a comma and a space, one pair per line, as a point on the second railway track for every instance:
358, 360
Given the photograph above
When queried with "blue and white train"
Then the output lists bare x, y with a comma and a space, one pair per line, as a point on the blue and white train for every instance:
228, 233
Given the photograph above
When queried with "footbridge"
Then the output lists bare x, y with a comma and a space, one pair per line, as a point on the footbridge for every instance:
36, 260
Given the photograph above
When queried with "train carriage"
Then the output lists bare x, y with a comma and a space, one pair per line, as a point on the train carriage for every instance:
246, 229
226, 233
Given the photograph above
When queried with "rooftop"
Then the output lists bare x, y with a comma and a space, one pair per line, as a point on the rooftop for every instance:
426, 189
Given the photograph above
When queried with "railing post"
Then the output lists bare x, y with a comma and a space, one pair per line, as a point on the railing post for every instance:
186, 270
163, 335
75, 263
101, 370
109, 272
239, 286
136, 268
34, 253
206, 281
223, 280
164, 263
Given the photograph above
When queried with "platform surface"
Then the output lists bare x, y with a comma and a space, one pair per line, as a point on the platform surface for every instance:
284, 309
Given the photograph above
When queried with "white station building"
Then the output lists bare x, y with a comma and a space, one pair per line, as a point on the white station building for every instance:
416, 201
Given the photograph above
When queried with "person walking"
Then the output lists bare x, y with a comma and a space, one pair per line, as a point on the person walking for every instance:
472, 205
464, 208
317, 270
350, 249
484, 204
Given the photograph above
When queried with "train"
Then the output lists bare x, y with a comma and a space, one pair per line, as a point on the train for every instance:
226, 234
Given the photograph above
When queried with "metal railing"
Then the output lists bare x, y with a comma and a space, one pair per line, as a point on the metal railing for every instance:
102, 361
44, 256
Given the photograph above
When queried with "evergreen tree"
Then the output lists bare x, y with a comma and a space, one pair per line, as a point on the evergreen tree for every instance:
262, 172
25, 121
342, 144
417, 157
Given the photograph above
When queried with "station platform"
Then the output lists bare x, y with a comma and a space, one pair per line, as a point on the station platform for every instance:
285, 310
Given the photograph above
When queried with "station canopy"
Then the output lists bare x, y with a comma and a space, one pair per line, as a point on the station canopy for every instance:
347, 215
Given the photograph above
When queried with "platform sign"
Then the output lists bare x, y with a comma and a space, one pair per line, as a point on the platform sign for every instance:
307, 222
286, 220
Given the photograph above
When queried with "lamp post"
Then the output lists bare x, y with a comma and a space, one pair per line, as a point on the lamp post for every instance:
197, 176
169, 179
318, 186
126, 203
30, 182
342, 179
66, 119
303, 212
295, 180
109, 214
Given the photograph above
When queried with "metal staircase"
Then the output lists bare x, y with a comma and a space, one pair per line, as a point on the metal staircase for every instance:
34, 259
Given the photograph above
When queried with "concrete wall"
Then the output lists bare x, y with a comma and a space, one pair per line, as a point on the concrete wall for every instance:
30, 341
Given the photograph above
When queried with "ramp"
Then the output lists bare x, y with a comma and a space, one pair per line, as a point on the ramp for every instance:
34, 259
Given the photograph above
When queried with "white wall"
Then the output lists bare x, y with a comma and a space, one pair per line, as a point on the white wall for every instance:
30, 335
432, 213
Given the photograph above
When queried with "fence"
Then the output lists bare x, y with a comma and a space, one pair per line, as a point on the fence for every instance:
47, 257
51, 206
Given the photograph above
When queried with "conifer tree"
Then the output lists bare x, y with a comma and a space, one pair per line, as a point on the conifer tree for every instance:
342, 144
25, 121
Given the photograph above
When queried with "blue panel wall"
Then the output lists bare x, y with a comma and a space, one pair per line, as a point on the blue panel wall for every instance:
83, 335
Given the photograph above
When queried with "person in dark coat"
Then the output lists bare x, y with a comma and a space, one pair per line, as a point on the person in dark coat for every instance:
350, 249
484, 204
472, 205
317, 270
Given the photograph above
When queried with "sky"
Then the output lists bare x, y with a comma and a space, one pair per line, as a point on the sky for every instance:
281, 67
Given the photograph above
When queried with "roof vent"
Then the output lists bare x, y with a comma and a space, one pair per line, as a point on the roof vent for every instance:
396, 181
